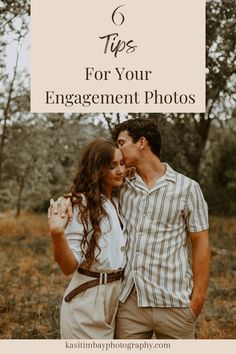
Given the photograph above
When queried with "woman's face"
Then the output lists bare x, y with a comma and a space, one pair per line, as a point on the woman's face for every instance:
115, 174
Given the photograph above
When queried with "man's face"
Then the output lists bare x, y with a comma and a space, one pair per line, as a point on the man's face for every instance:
128, 148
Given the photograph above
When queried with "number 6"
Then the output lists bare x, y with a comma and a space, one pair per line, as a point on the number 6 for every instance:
116, 14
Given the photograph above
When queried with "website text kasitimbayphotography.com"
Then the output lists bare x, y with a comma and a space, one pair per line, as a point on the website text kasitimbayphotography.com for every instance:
112, 345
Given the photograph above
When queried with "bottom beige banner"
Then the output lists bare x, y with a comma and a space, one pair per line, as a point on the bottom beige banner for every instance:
118, 346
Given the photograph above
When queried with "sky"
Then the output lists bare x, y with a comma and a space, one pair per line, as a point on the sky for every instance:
24, 60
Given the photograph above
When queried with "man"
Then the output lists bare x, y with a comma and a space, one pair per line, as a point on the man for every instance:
161, 209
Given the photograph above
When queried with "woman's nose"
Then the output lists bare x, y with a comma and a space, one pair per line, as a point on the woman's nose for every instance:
121, 170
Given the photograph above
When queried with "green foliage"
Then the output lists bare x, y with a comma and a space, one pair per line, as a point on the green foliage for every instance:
220, 179
42, 156
220, 50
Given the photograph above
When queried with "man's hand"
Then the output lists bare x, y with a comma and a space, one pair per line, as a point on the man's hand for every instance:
62, 206
197, 306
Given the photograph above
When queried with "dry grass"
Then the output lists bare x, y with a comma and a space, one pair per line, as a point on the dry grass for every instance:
218, 318
31, 284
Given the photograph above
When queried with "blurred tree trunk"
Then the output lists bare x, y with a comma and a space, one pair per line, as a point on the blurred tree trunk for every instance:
202, 124
14, 16
21, 188
6, 114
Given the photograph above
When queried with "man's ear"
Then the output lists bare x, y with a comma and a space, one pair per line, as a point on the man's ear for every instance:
143, 143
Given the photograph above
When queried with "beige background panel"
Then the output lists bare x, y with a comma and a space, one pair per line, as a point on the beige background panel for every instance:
170, 40
117, 346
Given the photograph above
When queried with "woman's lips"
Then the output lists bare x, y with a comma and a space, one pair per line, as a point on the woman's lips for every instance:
119, 178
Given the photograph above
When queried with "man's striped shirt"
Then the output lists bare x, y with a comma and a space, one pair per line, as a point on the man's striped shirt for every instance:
156, 223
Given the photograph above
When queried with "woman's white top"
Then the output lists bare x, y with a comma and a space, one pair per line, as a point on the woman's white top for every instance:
111, 241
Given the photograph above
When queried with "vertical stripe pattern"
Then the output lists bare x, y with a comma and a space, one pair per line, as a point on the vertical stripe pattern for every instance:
156, 224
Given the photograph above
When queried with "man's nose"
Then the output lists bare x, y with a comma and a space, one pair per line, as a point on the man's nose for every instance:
120, 147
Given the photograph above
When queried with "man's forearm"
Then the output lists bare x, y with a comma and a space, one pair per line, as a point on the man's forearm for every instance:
201, 269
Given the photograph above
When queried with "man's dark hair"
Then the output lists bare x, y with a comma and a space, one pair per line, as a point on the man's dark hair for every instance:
138, 127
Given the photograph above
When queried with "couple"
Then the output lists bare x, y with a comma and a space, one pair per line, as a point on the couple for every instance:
126, 242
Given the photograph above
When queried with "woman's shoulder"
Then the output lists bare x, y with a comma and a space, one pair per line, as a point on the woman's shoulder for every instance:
78, 204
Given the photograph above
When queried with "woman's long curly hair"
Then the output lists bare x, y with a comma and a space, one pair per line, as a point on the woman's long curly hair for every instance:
89, 182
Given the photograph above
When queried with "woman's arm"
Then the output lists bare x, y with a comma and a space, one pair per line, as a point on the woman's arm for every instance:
62, 252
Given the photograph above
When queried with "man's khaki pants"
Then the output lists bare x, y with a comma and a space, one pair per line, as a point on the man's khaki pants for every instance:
135, 322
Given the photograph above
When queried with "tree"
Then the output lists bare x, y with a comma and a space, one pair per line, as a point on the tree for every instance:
42, 154
220, 184
13, 27
194, 129
220, 71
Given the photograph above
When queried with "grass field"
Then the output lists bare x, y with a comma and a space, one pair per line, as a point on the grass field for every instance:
32, 285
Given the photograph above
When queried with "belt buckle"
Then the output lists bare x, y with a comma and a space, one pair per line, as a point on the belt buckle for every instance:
103, 278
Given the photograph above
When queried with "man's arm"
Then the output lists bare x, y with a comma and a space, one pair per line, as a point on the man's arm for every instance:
200, 267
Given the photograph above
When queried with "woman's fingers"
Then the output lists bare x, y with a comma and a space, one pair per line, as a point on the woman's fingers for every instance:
61, 206
50, 208
64, 207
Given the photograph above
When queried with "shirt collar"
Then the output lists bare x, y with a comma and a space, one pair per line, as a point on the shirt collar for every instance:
170, 175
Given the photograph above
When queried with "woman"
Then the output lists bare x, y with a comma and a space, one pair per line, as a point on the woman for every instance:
92, 246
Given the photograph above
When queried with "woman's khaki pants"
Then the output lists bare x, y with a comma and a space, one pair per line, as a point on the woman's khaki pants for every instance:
90, 314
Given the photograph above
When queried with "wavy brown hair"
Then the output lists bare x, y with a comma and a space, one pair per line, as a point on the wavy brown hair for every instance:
89, 182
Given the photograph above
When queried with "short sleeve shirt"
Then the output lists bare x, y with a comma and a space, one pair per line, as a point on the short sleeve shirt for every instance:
111, 241
156, 224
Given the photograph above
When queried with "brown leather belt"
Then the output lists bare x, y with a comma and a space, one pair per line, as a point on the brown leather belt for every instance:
102, 278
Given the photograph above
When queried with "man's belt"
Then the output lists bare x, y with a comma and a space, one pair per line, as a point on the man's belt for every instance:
102, 278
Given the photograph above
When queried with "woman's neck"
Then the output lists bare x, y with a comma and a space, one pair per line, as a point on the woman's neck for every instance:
108, 193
